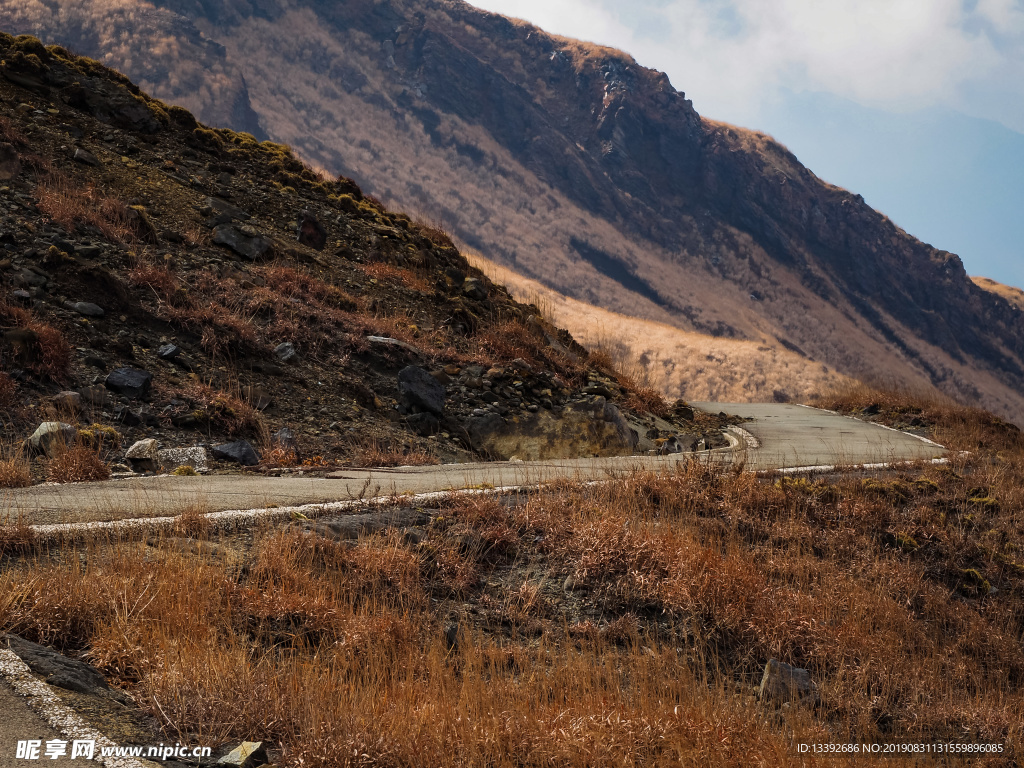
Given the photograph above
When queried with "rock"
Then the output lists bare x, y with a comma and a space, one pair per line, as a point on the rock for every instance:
96, 395
682, 411
248, 754
782, 682
420, 390
286, 353
170, 459
10, 163
168, 352
67, 402
245, 241
141, 224
475, 288
257, 397
221, 212
354, 526
238, 452
61, 671
144, 456
286, 439
130, 382
424, 424
85, 157
311, 231
395, 343
85, 308
582, 430
51, 437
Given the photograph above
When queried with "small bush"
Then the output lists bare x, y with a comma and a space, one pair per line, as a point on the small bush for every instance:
14, 473
79, 464
71, 206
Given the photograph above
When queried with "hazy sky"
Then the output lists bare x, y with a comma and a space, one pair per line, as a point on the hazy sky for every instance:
754, 62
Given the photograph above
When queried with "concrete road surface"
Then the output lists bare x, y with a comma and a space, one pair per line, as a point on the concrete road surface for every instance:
784, 435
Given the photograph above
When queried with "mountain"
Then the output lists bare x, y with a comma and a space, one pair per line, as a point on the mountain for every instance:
163, 280
949, 178
574, 165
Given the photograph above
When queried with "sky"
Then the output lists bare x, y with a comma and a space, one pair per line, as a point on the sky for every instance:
918, 105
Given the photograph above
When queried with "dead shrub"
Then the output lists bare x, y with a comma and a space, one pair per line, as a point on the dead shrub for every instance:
43, 348
17, 537
14, 473
77, 464
8, 391
227, 412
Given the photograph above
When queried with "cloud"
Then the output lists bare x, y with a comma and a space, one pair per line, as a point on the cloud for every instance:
730, 56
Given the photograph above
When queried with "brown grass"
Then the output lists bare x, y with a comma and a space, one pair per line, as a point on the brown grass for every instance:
50, 356
14, 473
461, 647
391, 274
77, 464
8, 391
72, 206
377, 455
224, 411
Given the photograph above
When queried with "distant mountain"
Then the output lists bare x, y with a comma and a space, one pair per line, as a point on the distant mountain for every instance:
952, 180
574, 165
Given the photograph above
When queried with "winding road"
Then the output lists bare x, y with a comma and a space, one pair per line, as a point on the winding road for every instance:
775, 437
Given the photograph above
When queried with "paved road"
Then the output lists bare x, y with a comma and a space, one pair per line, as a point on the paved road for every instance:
787, 435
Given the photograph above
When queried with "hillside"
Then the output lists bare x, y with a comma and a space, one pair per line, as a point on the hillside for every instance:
576, 166
677, 362
161, 279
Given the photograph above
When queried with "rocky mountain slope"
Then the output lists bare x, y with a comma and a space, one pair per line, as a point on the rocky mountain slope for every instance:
574, 165
163, 280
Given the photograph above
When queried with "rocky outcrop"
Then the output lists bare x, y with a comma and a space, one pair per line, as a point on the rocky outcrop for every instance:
582, 430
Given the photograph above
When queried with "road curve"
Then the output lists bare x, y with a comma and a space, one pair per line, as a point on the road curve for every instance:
778, 436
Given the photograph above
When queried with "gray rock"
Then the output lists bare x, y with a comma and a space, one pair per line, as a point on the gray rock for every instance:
85, 308
144, 455
238, 452
782, 683
96, 395
285, 439
311, 232
10, 163
85, 157
67, 402
170, 459
130, 382
474, 288
61, 671
248, 754
168, 352
581, 430
222, 211
420, 390
394, 343
245, 241
51, 437
286, 353
424, 424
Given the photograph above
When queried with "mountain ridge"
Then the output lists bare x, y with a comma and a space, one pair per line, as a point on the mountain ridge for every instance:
576, 166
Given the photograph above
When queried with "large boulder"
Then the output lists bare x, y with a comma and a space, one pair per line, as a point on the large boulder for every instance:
420, 391
51, 437
170, 459
582, 430
243, 240
144, 455
238, 452
133, 383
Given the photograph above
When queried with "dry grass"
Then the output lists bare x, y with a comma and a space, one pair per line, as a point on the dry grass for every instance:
461, 647
377, 455
77, 464
71, 206
47, 354
391, 274
8, 391
223, 411
14, 473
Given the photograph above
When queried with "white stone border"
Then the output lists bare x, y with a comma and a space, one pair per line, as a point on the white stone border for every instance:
54, 712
